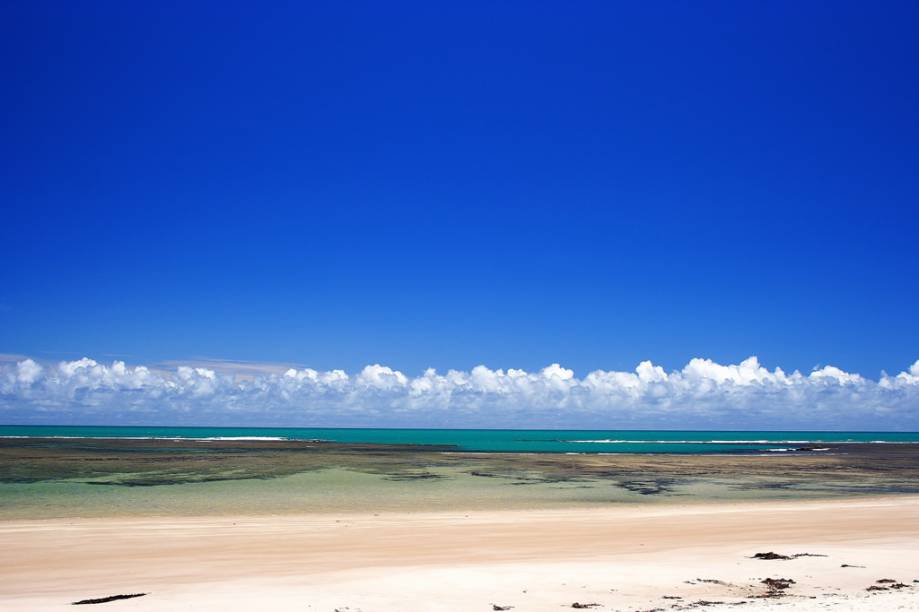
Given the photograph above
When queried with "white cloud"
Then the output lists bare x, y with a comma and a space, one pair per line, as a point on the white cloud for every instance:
27, 371
381, 377
702, 394
830, 373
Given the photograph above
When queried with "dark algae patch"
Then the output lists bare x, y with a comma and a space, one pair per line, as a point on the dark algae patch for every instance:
649, 487
410, 477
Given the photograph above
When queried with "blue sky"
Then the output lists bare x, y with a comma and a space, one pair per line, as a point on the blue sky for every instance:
421, 185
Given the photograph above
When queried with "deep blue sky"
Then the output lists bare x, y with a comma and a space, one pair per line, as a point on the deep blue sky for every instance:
430, 184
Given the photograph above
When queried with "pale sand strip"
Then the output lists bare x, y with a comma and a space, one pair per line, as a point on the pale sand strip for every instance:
624, 557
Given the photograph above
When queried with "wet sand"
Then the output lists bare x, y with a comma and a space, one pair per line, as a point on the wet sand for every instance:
630, 557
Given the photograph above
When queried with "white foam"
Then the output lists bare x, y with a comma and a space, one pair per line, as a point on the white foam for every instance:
246, 438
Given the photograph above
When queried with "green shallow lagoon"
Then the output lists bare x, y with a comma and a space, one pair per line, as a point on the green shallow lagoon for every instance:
53, 477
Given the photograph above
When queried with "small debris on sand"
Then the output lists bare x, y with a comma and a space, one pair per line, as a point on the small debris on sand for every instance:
100, 600
847, 565
770, 556
773, 556
714, 581
580, 606
775, 587
778, 584
498, 608
892, 584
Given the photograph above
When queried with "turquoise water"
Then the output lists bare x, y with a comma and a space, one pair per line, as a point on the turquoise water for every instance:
498, 440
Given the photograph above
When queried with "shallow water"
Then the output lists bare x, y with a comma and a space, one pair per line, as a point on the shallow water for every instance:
56, 477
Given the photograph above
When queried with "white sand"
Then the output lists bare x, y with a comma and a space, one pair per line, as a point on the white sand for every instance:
625, 558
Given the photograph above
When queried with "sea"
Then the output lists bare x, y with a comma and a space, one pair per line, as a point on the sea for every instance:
498, 440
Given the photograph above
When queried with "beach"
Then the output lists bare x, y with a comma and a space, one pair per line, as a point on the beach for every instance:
631, 557
264, 524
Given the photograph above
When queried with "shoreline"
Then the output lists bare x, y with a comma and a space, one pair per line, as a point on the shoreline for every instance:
684, 506
622, 510
628, 556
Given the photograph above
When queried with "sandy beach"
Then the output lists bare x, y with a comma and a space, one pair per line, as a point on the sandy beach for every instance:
628, 557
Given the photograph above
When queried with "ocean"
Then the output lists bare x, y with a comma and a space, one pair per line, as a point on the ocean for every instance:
497, 440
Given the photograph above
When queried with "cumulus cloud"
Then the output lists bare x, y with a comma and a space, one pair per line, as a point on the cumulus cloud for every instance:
703, 394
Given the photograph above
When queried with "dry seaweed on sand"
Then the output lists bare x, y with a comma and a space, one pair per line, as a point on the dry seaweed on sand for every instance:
714, 581
778, 584
773, 556
100, 600
770, 556
890, 583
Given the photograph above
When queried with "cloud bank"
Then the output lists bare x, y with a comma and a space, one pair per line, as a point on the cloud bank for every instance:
703, 394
